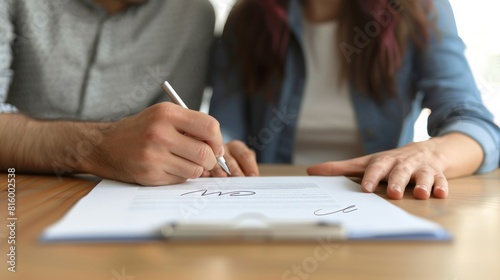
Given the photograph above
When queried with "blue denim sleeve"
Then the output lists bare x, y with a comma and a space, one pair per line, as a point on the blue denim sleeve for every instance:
228, 103
6, 44
450, 92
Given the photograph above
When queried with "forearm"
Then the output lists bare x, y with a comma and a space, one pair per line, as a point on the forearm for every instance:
46, 146
459, 154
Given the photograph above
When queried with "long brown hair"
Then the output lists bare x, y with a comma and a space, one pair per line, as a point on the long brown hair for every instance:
373, 35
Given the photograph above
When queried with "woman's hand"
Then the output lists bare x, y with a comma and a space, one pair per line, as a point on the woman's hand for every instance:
240, 159
425, 163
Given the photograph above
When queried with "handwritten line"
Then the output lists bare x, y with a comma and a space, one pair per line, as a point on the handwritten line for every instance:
233, 193
346, 210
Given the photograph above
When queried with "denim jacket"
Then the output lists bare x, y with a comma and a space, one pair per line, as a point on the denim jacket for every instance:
438, 78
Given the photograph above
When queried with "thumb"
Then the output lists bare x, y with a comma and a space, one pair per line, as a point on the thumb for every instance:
352, 167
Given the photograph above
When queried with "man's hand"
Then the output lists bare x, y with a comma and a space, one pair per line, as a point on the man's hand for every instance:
153, 147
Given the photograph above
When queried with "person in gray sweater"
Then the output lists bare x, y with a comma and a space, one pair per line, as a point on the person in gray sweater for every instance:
80, 90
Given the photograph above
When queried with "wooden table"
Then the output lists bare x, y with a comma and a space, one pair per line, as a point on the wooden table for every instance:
471, 214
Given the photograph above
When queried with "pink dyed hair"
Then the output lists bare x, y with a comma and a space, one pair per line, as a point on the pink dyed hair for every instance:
260, 23
276, 16
389, 50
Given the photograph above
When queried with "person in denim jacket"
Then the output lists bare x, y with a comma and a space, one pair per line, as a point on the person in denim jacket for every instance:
392, 57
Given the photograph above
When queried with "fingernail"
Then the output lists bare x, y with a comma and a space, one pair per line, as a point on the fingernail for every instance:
368, 187
252, 175
441, 188
423, 187
396, 188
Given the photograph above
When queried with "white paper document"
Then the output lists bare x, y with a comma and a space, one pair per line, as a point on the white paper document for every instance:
119, 211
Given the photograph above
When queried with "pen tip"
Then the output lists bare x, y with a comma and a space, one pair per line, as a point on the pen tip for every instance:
224, 166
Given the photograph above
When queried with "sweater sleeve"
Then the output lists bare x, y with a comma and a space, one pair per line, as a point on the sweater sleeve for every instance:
6, 54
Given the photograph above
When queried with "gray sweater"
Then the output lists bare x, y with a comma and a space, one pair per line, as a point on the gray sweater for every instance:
69, 59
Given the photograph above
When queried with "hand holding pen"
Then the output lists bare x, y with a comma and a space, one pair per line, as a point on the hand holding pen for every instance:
161, 145
177, 100
238, 160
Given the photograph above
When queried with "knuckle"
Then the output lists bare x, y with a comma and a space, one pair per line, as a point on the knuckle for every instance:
441, 176
402, 169
376, 167
404, 161
165, 106
144, 157
383, 159
212, 126
204, 154
169, 141
247, 154
232, 163
400, 161
155, 133
195, 172
166, 110
426, 172
151, 134
237, 144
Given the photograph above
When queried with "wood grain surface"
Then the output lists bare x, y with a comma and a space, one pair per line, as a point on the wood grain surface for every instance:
471, 214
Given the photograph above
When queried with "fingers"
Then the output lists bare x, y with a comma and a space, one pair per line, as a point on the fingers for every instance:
231, 164
240, 160
440, 186
400, 173
200, 125
424, 180
353, 167
377, 170
150, 148
182, 168
166, 179
398, 179
193, 150
324, 169
398, 166
170, 170
243, 159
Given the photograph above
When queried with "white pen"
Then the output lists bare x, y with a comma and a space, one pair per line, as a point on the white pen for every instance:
177, 100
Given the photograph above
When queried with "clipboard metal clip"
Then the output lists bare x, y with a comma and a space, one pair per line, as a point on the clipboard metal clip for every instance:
280, 231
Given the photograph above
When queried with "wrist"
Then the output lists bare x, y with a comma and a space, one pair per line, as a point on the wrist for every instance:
435, 152
74, 145
456, 154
